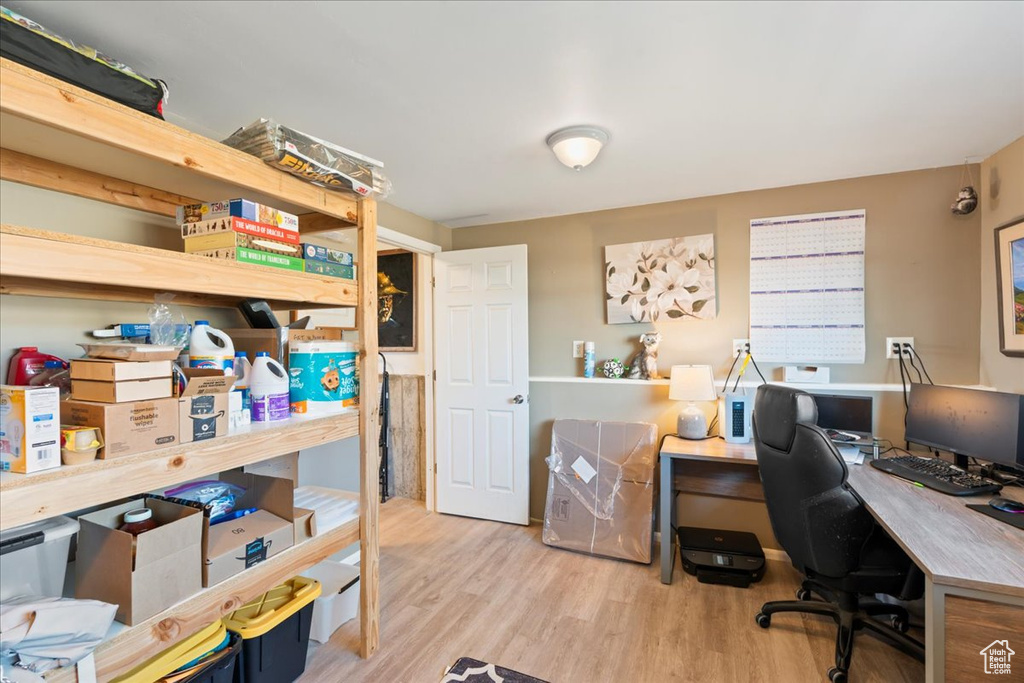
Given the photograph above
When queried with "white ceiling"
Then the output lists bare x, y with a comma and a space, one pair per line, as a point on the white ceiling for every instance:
700, 98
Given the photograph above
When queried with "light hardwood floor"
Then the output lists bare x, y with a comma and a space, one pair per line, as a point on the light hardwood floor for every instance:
453, 587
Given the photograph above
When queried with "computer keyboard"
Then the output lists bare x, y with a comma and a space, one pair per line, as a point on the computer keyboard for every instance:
936, 474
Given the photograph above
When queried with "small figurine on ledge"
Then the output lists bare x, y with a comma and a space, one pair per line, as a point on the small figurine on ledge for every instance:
644, 365
613, 368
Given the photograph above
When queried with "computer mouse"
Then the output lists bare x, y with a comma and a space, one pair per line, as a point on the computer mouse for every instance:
1007, 505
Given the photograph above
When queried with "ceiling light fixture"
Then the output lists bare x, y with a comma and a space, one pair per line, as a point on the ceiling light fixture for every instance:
577, 146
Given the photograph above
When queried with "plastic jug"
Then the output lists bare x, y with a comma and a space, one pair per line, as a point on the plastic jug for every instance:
26, 362
209, 348
268, 390
53, 374
243, 376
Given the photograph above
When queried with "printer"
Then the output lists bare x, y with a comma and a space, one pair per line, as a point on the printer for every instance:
732, 558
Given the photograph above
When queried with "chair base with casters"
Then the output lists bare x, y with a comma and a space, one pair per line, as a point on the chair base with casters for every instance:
851, 612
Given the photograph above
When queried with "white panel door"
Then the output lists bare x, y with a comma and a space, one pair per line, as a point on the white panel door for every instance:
482, 364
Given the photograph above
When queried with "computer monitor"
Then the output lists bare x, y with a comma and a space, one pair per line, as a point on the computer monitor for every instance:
983, 424
844, 413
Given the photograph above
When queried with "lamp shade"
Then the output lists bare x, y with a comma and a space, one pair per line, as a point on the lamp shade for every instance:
577, 146
692, 383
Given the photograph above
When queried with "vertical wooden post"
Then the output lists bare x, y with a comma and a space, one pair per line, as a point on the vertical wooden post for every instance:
369, 434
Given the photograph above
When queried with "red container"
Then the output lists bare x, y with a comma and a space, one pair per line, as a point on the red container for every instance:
26, 363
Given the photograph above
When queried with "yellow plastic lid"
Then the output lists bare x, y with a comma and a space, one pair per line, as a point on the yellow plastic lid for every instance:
176, 655
273, 607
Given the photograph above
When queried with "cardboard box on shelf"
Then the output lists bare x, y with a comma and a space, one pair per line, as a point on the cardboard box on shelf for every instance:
275, 342
232, 547
239, 208
330, 269
227, 240
203, 405
167, 565
259, 258
283, 467
121, 392
127, 428
600, 497
232, 224
29, 428
315, 252
101, 370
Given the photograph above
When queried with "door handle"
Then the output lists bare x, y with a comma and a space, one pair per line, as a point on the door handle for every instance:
518, 399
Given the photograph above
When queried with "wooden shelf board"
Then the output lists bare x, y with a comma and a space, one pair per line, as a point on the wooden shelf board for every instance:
28, 498
58, 121
85, 267
135, 644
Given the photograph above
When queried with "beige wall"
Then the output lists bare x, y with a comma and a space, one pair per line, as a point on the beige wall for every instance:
414, 226
1002, 200
921, 263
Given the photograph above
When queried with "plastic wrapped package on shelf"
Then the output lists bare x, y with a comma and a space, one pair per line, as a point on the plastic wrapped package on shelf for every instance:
333, 507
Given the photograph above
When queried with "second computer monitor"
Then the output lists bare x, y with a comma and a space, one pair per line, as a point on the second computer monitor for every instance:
844, 413
983, 424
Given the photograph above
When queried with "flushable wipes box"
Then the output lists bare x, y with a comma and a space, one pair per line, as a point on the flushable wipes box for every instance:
127, 428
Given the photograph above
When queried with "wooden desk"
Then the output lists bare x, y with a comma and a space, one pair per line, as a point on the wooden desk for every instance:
674, 448
973, 566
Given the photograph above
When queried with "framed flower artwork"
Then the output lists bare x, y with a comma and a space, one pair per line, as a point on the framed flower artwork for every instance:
671, 279
1010, 281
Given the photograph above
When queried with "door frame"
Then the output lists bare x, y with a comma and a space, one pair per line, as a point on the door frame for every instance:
428, 249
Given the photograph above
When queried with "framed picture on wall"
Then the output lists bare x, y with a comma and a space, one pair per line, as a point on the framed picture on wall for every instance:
1010, 281
396, 300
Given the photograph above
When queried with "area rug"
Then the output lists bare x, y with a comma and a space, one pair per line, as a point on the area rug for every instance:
468, 670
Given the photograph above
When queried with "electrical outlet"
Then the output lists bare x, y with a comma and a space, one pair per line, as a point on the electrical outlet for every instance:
577, 349
890, 352
740, 346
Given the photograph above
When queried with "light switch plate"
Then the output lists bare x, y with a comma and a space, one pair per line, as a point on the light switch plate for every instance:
577, 349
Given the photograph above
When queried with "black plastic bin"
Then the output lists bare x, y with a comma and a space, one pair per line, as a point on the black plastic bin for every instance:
275, 632
227, 669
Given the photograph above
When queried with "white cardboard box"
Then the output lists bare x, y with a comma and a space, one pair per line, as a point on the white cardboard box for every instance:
29, 428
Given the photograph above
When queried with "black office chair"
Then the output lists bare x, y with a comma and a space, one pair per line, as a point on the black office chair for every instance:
829, 535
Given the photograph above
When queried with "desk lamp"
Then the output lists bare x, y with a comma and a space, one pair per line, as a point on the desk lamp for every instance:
692, 383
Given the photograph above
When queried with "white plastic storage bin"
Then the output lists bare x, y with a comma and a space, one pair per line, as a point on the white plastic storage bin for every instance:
339, 600
34, 557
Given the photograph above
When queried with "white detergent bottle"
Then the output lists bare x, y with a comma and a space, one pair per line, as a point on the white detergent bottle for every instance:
209, 348
242, 371
268, 389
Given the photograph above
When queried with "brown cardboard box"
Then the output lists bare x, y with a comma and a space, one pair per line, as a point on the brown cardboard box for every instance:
275, 342
231, 547
121, 392
203, 406
167, 566
284, 466
601, 488
287, 467
127, 428
101, 370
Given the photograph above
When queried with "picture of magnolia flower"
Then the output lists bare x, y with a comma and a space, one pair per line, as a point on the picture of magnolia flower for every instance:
650, 281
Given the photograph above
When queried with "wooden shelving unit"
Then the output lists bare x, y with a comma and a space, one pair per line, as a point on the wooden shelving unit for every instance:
62, 138
127, 272
133, 645
31, 497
